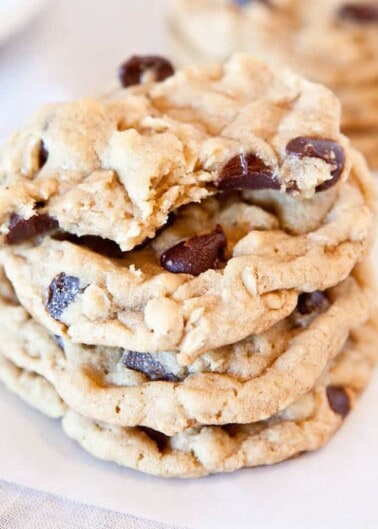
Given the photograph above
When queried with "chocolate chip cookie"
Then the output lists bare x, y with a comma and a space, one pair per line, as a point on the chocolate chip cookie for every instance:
116, 166
183, 275
331, 41
305, 426
250, 380
221, 271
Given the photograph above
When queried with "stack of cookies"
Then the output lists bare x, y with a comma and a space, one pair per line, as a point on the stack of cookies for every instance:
184, 267
330, 41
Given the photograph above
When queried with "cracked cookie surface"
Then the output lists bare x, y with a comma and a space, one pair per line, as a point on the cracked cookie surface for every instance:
250, 380
116, 166
255, 264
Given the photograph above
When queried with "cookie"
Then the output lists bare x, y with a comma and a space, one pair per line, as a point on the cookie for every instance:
330, 41
249, 381
187, 292
32, 388
116, 166
305, 426
367, 142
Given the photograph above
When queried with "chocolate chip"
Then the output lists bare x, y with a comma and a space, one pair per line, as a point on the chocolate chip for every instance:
327, 150
104, 247
62, 292
196, 255
158, 438
131, 72
247, 171
338, 400
21, 229
43, 155
147, 364
311, 302
59, 341
364, 13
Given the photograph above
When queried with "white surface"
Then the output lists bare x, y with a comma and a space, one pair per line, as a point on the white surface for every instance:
74, 48
16, 13
335, 488
25, 508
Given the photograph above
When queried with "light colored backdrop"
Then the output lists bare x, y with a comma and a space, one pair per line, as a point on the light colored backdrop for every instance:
73, 48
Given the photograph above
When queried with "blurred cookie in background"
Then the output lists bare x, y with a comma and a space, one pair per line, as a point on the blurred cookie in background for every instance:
330, 41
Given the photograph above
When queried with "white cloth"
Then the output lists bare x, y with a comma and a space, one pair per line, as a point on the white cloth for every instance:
22, 508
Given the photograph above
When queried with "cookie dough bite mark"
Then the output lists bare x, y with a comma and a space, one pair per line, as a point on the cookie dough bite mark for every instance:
163, 317
142, 162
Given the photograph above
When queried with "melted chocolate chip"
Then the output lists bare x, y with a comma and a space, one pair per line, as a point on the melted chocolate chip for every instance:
21, 229
312, 302
62, 292
363, 13
327, 150
43, 155
196, 255
247, 171
158, 438
338, 400
148, 365
131, 72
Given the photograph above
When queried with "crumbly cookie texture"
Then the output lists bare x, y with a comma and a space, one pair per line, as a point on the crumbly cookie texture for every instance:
331, 41
250, 381
190, 293
115, 167
305, 426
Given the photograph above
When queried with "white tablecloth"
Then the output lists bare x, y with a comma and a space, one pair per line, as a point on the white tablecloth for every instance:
22, 508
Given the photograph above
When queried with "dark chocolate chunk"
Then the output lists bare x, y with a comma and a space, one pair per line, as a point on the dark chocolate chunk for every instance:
196, 255
43, 155
62, 292
327, 150
158, 438
311, 302
21, 229
145, 363
105, 247
131, 72
247, 171
362, 13
338, 400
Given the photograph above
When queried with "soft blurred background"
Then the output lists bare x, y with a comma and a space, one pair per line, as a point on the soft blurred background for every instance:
52, 50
